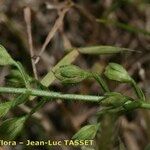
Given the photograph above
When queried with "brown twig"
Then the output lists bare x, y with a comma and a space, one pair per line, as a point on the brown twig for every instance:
52, 32
27, 17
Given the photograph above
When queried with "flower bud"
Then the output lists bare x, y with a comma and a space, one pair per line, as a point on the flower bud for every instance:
118, 73
114, 99
71, 74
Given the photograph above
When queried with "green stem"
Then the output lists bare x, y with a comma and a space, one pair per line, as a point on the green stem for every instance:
145, 105
52, 95
101, 81
26, 82
136, 104
38, 106
138, 91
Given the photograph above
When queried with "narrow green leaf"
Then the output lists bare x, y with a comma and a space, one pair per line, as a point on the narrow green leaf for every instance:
87, 132
15, 78
23, 73
4, 108
38, 106
5, 58
102, 49
10, 128
20, 99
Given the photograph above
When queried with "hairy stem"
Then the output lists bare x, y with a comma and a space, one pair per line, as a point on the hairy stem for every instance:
52, 95
56, 95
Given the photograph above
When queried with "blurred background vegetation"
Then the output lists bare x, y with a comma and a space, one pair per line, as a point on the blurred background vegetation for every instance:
79, 23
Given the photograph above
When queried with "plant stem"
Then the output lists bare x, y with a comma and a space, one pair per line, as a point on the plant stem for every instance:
136, 104
53, 95
145, 105
39, 105
26, 82
138, 91
100, 80
57, 95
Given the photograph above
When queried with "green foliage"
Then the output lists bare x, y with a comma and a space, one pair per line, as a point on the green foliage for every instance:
5, 58
87, 132
20, 99
71, 57
4, 108
23, 74
112, 102
10, 128
15, 78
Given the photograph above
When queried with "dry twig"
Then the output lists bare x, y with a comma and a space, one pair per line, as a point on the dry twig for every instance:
27, 17
52, 32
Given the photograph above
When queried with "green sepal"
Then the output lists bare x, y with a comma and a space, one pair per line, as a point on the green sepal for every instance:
87, 132
114, 99
71, 74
